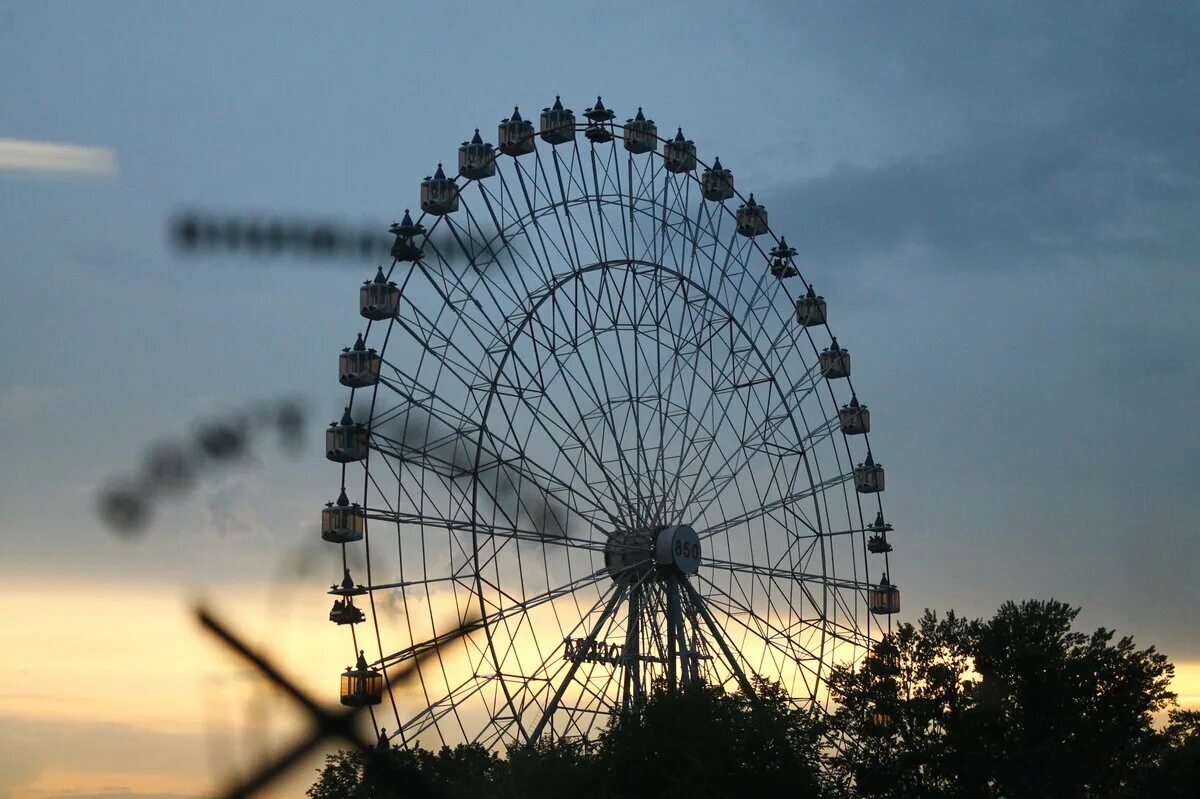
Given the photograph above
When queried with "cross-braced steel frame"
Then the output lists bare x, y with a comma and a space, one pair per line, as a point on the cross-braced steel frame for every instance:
586, 353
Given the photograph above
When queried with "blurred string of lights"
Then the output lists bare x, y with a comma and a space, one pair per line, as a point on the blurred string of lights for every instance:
269, 235
171, 469
197, 233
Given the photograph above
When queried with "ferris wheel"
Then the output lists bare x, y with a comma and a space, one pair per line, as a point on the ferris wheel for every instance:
598, 411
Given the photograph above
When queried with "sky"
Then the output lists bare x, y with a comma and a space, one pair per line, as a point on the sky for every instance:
999, 201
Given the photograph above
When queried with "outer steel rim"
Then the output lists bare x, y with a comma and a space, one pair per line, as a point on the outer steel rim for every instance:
511, 714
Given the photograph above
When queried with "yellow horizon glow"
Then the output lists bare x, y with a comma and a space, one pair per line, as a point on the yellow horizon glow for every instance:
131, 663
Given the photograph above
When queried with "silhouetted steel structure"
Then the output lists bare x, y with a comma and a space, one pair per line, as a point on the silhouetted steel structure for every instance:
596, 410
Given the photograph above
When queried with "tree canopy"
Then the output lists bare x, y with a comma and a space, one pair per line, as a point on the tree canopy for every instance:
1017, 706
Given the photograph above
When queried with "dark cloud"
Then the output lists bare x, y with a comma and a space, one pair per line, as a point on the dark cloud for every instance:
1086, 148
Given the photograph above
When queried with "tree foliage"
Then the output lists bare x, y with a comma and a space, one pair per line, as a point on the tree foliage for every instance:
1018, 706
697, 741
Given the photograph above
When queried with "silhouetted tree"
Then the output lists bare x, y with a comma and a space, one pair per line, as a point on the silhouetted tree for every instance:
1066, 714
896, 712
467, 770
551, 767
1174, 772
697, 741
700, 741
1017, 706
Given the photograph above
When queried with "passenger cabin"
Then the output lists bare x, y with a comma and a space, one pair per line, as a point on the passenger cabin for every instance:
347, 587
881, 721
854, 418
346, 441
516, 135
378, 299
557, 124
835, 362
342, 523
883, 599
600, 126
868, 476
359, 366
404, 249
344, 611
811, 310
878, 544
641, 134
361, 685
439, 194
783, 263
716, 182
752, 220
476, 158
679, 154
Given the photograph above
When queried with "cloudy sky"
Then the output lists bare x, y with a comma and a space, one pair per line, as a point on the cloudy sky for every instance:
1000, 201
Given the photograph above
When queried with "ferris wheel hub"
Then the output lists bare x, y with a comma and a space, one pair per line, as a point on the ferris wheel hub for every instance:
678, 546
632, 555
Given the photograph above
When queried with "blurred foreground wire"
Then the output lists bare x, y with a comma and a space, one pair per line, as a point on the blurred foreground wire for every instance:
326, 723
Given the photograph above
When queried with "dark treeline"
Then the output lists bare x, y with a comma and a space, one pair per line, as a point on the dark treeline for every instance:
1018, 706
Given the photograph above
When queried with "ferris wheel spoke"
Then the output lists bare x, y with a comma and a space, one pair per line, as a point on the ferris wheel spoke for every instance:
543, 241
438, 343
769, 634
738, 384
488, 619
514, 263
756, 443
774, 505
618, 592
658, 391
564, 426
630, 471
525, 192
824, 624
775, 658
434, 711
599, 210
443, 453
723, 371
626, 466
736, 667
510, 476
784, 574
486, 272
557, 205
602, 395
492, 530
550, 677
661, 390
595, 209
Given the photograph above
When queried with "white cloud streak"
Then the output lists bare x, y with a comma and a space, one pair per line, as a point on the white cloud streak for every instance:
41, 156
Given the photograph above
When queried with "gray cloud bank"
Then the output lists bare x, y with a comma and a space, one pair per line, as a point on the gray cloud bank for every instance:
1027, 234
1043, 137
